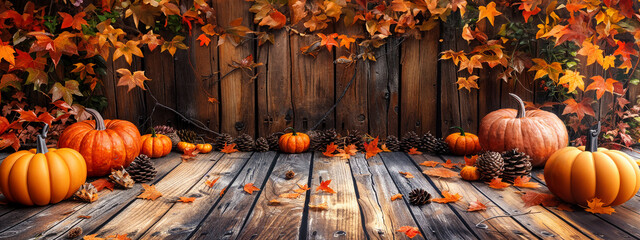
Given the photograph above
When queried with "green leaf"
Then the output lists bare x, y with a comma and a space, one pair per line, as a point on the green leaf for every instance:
634, 81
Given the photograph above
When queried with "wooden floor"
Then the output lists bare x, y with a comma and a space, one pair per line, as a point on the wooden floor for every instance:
361, 208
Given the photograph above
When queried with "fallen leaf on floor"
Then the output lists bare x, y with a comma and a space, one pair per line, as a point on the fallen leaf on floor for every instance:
189, 153
407, 174
118, 237
395, 197
351, 149
222, 191
448, 197
229, 148
210, 183
440, 172
274, 202
532, 198
411, 232
497, 183
449, 164
595, 206
92, 237
384, 148
524, 181
372, 148
321, 206
470, 161
149, 193
429, 163
331, 148
302, 188
84, 217
186, 199
249, 188
289, 195
414, 151
565, 207
103, 183
324, 186
476, 206
541, 177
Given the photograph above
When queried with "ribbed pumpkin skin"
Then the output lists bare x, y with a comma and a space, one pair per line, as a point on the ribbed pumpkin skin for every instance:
470, 173
40, 179
539, 134
576, 176
184, 145
295, 142
463, 145
204, 148
103, 150
155, 147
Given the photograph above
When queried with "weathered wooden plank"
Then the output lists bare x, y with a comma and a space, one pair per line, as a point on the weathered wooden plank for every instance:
382, 217
351, 112
435, 220
130, 104
182, 219
275, 109
57, 219
280, 221
383, 79
230, 214
342, 219
419, 84
449, 101
109, 89
159, 67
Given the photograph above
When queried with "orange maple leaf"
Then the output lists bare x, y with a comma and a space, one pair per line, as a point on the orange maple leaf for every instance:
249, 188
372, 148
476, 206
456, 57
92, 237
523, 181
592, 52
346, 41
229, 148
152, 40
212, 100
118, 237
6, 53
470, 161
542, 69
74, 22
595, 206
127, 50
440, 172
470, 63
347, 152
414, 151
395, 197
429, 163
131, 80
384, 148
186, 199
210, 183
222, 191
407, 174
189, 153
321, 206
331, 148
449, 164
302, 188
204, 40
468, 83
328, 41
149, 193
573, 80
497, 183
580, 109
289, 195
411, 232
601, 86
532, 198
447, 197
102, 184
324, 186
275, 20
489, 12
83, 69
274, 202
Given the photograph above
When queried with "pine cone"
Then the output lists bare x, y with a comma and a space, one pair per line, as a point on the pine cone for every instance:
121, 178
163, 129
74, 233
354, 137
142, 169
273, 141
419, 197
515, 164
324, 138
393, 144
490, 165
289, 175
174, 138
431, 144
221, 140
262, 145
188, 136
409, 140
244, 143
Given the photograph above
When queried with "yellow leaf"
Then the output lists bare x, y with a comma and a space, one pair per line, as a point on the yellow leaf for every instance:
127, 50
468, 83
173, 45
132, 80
489, 12
573, 79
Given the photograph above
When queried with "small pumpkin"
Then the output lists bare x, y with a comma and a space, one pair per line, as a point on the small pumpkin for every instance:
42, 176
104, 144
294, 142
537, 133
462, 143
470, 173
156, 145
204, 148
185, 145
577, 175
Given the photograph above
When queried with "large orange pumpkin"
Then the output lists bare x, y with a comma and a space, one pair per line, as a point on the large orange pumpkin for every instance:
462, 143
104, 144
294, 142
156, 145
42, 176
537, 133
577, 175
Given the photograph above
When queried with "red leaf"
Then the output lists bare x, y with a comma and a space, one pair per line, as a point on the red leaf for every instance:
497, 183
74, 22
249, 188
102, 184
476, 206
411, 232
275, 20
324, 186
532, 198
580, 109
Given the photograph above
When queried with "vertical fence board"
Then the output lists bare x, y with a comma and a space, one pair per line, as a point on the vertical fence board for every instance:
130, 104
109, 89
383, 78
351, 112
450, 104
159, 67
275, 110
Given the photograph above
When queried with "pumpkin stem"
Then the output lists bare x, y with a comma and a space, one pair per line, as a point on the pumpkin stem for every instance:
153, 132
41, 144
521, 108
293, 131
592, 138
99, 120
459, 128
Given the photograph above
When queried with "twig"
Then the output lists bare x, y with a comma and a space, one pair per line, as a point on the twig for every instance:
480, 225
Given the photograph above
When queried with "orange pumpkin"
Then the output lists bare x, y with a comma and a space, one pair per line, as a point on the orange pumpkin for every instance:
156, 145
42, 176
104, 144
185, 145
204, 148
462, 143
470, 173
577, 175
537, 133
294, 142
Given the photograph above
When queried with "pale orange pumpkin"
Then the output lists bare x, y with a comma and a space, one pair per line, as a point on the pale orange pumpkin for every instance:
155, 145
577, 175
470, 173
204, 148
537, 133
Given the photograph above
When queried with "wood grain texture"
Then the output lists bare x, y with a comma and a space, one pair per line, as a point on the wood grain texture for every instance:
450, 106
109, 89
182, 219
130, 104
229, 215
342, 220
56, 220
419, 84
382, 217
383, 77
351, 112
280, 221
159, 67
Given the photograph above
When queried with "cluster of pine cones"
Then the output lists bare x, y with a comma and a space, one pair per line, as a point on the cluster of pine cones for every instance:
321, 138
507, 165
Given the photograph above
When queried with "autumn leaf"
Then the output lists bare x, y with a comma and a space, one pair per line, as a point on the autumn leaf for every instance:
317, 22
573, 79
372, 148
608, 62
580, 109
592, 52
204, 40
212, 100
440, 172
173, 45
84, 216
489, 12
449, 164
595, 206
532, 198
331, 148
395, 197
102, 184
302, 188
471, 63
542, 69
414, 151
118, 237
429, 163
497, 183
30, 116
189, 153
149, 193
152, 40
127, 50
186, 199
468, 83
541, 177
65, 92
524, 182
447, 197
601, 86
6, 53
275, 20
456, 57
411, 232
36, 77
249, 188
328, 41
626, 50
346, 41
229, 148
385, 148
406, 174
222, 191
289, 195
351, 149
83, 70
92, 237
470, 161
476, 206
324, 186
131, 80
274, 202
321, 206
210, 183
74, 22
